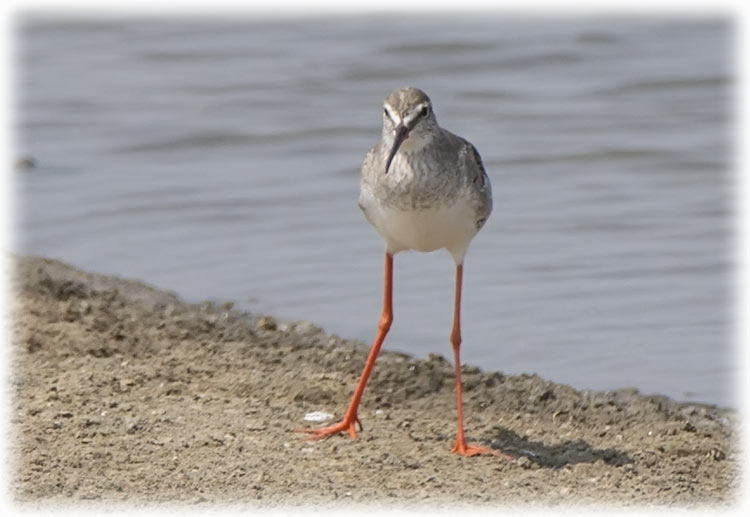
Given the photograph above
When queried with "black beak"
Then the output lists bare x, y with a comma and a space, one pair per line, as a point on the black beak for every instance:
401, 134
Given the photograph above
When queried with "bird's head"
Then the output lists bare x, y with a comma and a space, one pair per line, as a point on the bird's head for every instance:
407, 117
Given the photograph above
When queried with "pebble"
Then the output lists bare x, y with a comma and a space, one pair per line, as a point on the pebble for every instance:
318, 416
266, 323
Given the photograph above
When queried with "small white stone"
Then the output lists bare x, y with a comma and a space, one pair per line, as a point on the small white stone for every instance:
318, 416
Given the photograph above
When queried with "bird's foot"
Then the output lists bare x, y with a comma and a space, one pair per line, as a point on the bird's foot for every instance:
465, 449
346, 425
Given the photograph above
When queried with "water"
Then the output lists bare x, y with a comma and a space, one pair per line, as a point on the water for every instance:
219, 158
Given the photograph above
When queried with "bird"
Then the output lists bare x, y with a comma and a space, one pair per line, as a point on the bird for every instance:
422, 188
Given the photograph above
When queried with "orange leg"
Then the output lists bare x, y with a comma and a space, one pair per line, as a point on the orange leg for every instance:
461, 447
350, 418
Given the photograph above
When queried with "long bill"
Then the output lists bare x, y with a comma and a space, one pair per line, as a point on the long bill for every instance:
401, 133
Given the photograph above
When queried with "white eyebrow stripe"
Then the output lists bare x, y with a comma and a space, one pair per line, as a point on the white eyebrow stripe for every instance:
415, 113
393, 116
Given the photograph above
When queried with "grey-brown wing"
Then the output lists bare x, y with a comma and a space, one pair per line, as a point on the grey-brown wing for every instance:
369, 165
477, 179
474, 167
366, 174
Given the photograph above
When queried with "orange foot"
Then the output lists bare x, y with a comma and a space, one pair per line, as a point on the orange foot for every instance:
346, 425
464, 449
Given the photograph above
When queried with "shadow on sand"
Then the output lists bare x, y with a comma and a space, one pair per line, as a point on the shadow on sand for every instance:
554, 456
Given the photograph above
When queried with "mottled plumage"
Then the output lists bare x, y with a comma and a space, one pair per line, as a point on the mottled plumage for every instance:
434, 193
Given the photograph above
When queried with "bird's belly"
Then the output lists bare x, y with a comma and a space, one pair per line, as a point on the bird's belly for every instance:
450, 226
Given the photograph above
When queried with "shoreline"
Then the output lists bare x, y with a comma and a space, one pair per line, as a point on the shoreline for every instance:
123, 393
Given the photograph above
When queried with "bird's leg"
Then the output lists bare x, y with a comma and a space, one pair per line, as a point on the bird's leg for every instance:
461, 447
350, 418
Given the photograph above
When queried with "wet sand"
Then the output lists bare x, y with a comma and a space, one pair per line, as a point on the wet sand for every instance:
122, 393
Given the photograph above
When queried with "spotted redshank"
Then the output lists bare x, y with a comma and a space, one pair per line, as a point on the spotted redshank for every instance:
422, 188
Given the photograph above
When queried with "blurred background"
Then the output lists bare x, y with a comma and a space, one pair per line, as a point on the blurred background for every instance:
219, 158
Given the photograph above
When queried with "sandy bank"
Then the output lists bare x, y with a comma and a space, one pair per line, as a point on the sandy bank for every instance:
121, 392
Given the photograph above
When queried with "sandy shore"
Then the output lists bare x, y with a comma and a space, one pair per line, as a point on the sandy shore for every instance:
123, 393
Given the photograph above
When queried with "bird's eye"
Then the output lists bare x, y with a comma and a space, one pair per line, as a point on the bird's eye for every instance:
424, 111
385, 112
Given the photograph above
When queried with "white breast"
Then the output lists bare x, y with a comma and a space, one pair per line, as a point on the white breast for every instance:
443, 226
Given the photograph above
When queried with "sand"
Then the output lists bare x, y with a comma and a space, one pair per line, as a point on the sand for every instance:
123, 394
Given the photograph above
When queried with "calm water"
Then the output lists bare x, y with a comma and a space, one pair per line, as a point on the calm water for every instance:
220, 159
